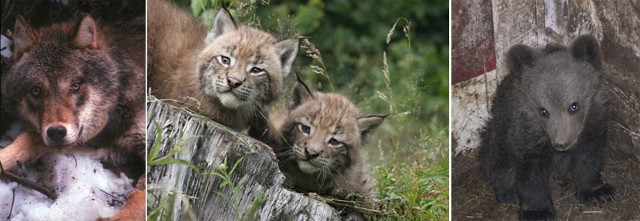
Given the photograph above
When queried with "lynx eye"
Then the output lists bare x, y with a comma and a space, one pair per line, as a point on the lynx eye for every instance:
35, 91
224, 60
304, 129
574, 107
256, 71
75, 86
544, 112
334, 142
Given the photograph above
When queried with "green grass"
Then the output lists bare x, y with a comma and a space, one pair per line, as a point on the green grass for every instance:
165, 206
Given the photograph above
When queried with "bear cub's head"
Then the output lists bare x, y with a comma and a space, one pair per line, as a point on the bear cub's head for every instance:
559, 86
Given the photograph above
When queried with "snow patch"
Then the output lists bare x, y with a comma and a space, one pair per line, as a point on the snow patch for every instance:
85, 189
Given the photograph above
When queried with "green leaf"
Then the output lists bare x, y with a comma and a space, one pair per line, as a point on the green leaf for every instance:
166, 161
197, 6
157, 143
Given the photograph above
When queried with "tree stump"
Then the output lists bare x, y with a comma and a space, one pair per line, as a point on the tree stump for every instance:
184, 194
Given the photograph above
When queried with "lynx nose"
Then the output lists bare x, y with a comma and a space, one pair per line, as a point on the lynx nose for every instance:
311, 154
233, 82
57, 133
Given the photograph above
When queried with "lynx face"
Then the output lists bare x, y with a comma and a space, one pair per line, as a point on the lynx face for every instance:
326, 131
243, 66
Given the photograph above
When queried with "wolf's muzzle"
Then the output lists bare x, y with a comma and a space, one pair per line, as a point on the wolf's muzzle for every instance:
57, 133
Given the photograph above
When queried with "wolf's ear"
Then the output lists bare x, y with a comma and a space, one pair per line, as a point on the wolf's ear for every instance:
287, 52
586, 48
23, 37
86, 34
368, 124
300, 94
521, 57
223, 23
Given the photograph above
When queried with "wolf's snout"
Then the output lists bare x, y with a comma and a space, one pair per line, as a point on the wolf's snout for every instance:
57, 133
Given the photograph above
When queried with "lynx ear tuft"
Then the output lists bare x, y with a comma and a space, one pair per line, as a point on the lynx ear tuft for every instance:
222, 23
287, 52
300, 94
368, 124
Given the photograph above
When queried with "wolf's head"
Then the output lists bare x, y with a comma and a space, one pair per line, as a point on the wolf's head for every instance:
559, 86
243, 66
62, 80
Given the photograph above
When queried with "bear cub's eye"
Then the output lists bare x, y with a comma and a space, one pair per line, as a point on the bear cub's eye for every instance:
574, 107
544, 112
304, 129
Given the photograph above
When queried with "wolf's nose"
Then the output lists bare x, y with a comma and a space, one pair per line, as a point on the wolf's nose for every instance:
57, 133
233, 82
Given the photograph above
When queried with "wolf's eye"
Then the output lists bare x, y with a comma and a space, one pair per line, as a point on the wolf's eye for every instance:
334, 142
544, 112
224, 60
256, 71
304, 129
574, 107
35, 91
75, 87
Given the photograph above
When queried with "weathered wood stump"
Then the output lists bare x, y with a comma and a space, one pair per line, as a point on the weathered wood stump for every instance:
199, 196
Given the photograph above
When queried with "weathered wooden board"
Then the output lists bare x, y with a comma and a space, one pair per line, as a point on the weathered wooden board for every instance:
207, 144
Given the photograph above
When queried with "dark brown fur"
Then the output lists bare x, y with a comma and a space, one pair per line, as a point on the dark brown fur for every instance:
549, 119
77, 84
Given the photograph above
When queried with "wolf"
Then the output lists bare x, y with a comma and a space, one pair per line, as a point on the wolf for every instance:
78, 85
230, 74
549, 119
319, 142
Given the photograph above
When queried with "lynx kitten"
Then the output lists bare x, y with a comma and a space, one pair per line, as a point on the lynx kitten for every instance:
230, 74
320, 150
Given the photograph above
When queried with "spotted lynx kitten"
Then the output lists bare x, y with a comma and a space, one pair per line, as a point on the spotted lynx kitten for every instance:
320, 141
230, 74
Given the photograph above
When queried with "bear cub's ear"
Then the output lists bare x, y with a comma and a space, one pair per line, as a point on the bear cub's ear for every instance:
521, 57
586, 48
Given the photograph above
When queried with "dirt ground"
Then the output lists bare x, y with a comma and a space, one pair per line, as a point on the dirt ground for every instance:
473, 197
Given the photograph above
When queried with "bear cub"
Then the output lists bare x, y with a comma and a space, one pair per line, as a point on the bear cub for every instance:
549, 120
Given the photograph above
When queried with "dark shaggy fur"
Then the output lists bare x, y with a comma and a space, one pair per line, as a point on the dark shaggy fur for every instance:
83, 77
549, 119
78, 85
